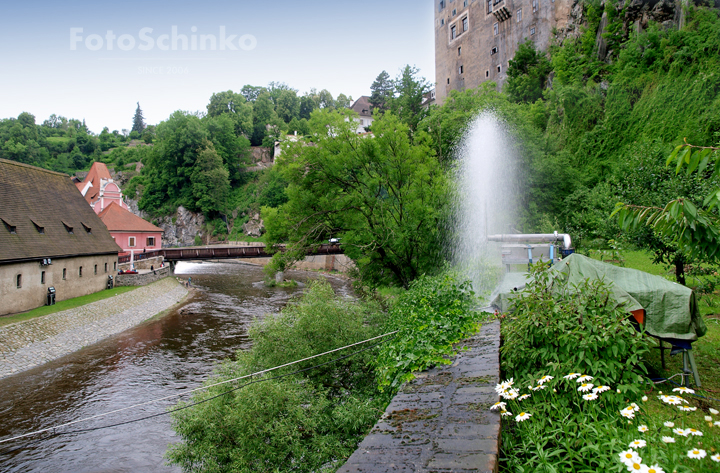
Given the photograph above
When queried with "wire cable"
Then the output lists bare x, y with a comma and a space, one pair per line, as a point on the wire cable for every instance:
203, 388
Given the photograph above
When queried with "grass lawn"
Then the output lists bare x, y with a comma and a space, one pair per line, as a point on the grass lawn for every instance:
64, 305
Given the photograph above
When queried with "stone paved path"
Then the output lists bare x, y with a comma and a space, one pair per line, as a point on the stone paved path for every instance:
440, 422
31, 343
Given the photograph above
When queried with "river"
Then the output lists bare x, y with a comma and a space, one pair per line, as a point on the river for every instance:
160, 357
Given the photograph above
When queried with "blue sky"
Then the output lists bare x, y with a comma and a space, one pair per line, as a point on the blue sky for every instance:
336, 45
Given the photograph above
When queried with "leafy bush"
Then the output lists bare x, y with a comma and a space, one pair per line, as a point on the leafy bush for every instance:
560, 328
434, 314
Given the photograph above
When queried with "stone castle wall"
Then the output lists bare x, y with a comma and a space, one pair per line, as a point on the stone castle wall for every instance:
142, 279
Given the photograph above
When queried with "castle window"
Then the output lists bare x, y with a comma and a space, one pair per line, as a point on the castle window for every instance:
532, 30
80, 271
489, 6
106, 267
519, 15
42, 277
465, 3
466, 24
487, 73
441, 5
493, 51
442, 21
459, 50
18, 281
499, 68
453, 32
454, 12
461, 70
535, 5
131, 242
448, 81
115, 266
496, 29
95, 270
64, 273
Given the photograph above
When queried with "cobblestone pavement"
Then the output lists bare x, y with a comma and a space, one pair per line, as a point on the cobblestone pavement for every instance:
440, 421
31, 343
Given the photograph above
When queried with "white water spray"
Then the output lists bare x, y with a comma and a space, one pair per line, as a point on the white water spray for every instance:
487, 199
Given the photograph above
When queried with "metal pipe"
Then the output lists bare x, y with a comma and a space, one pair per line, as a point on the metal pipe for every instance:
533, 238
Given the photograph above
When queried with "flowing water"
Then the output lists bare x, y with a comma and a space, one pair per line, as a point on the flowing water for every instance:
160, 357
487, 199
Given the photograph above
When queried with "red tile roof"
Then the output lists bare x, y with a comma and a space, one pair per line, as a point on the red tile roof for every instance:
97, 172
118, 219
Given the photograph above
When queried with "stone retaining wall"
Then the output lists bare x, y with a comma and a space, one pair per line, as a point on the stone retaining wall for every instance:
142, 279
143, 264
440, 421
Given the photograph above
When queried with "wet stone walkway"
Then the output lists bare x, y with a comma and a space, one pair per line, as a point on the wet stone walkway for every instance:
31, 343
440, 421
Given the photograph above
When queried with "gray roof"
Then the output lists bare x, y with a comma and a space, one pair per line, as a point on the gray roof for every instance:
363, 107
43, 215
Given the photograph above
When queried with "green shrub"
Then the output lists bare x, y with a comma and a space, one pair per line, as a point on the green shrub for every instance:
431, 316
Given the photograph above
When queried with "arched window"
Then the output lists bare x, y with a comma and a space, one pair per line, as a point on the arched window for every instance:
19, 281
80, 271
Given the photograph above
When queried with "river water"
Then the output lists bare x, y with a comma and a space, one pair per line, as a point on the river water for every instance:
160, 357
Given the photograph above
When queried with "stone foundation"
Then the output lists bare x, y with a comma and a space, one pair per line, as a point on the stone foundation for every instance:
143, 279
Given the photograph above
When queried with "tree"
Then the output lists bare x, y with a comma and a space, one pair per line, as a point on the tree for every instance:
287, 105
382, 90
210, 182
266, 123
325, 99
411, 90
233, 149
138, 121
691, 227
527, 73
384, 196
343, 101
235, 106
307, 105
251, 92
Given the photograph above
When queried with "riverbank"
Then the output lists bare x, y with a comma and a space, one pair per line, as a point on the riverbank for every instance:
27, 344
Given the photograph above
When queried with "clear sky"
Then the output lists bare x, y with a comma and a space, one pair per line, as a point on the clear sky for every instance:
94, 60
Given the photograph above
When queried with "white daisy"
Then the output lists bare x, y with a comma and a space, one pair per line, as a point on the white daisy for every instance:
628, 412
523, 397
716, 424
498, 405
585, 378
714, 411
601, 389
635, 466
695, 432
506, 413
523, 416
630, 456
716, 458
545, 379
504, 386
585, 387
638, 444
644, 399
681, 432
697, 453
687, 409
510, 394
708, 419
654, 469
683, 390
668, 439
643, 428
669, 424
572, 375
539, 387
590, 396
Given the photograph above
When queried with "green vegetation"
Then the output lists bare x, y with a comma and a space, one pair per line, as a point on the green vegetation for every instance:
589, 398
64, 305
310, 421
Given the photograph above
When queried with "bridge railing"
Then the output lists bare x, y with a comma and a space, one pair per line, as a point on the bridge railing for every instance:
180, 254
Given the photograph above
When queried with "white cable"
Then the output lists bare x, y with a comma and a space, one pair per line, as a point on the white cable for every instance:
193, 390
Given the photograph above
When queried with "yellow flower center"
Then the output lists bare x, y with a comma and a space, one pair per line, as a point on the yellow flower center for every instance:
522, 414
652, 470
696, 452
636, 466
628, 456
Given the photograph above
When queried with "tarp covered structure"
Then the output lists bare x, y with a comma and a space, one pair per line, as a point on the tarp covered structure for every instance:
670, 309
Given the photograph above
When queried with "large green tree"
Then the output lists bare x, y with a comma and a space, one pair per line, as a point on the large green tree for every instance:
385, 196
410, 90
235, 106
138, 121
210, 182
527, 73
382, 90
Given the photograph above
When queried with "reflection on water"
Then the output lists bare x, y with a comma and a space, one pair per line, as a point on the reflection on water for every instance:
156, 359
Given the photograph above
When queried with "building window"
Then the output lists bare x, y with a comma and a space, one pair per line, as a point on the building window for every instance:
42, 277
442, 21
493, 51
466, 24
95, 270
489, 6
19, 281
460, 70
131, 242
454, 12
448, 81
453, 32
151, 240
496, 29
487, 73
80, 271
532, 30
499, 68
64, 273
535, 5
106, 267
519, 15
459, 50
11, 228
68, 228
465, 3
41, 230
441, 5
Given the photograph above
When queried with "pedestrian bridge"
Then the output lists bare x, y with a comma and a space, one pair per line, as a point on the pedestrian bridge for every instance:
210, 253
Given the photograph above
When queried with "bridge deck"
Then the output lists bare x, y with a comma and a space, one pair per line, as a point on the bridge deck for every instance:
207, 253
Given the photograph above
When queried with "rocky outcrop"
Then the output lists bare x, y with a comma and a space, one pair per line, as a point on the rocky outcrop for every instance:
254, 227
180, 229
640, 12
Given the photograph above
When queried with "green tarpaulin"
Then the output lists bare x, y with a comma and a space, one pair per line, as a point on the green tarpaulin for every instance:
671, 310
